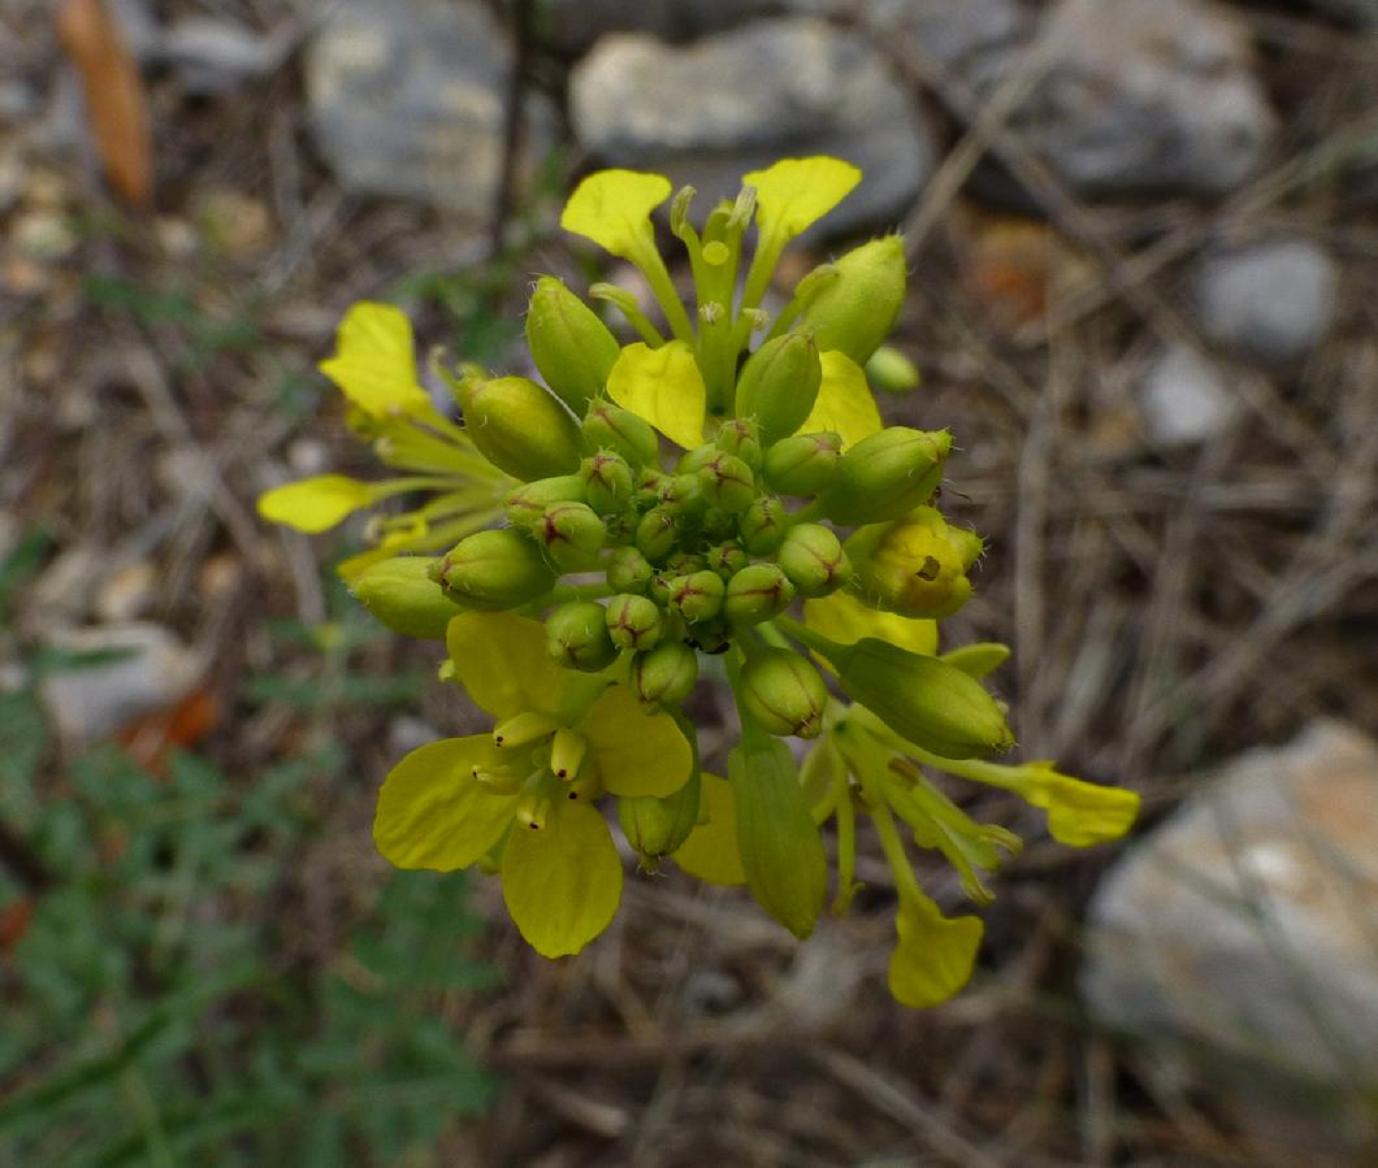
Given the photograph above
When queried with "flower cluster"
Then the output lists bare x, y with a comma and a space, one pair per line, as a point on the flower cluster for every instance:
722, 488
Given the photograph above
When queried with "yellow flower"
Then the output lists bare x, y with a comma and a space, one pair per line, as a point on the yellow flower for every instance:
524, 792
374, 366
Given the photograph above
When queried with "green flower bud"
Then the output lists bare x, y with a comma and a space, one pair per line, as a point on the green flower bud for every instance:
923, 699
576, 635
607, 479
812, 557
692, 460
804, 464
401, 593
763, 526
649, 487
495, 570
915, 566
681, 493
779, 385
657, 827
665, 675
610, 427
741, 437
657, 534
715, 523
727, 482
571, 346
784, 693
697, 597
519, 427
756, 593
727, 559
855, 312
887, 475
685, 563
633, 622
629, 570
572, 535
892, 371
525, 507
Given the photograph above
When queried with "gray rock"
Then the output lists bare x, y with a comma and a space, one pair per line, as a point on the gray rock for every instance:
705, 113
1183, 399
1273, 300
408, 97
1246, 926
130, 670
1147, 95
573, 26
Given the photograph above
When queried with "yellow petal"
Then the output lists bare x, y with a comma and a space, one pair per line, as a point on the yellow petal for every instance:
1080, 814
636, 754
433, 813
501, 660
562, 882
795, 193
841, 617
316, 504
845, 403
935, 954
710, 852
665, 387
375, 362
613, 209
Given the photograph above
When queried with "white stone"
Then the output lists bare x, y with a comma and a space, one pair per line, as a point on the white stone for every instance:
1273, 300
1184, 400
148, 669
1246, 925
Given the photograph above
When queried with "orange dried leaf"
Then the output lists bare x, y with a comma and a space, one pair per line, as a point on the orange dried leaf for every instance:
150, 738
14, 923
116, 110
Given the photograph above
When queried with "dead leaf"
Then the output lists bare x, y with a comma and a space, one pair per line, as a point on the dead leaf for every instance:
116, 110
14, 923
151, 738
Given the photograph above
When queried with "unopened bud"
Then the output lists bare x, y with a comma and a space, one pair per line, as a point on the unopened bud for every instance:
715, 523
855, 312
607, 479
887, 475
629, 570
657, 534
804, 464
727, 559
576, 635
892, 371
401, 593
610, 427
572, 535
665, 675
979, 659
812, 557
779, 385
495, 570
915, 567
571, 346
763, 525
922, 699
700, 456
756, 593
657, 827
633, 622
741, 437
784, 693
681, 493
519, 427
525, 507
727, 483
697, 597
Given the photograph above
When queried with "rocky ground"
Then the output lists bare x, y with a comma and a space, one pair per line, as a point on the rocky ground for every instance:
1144, 238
